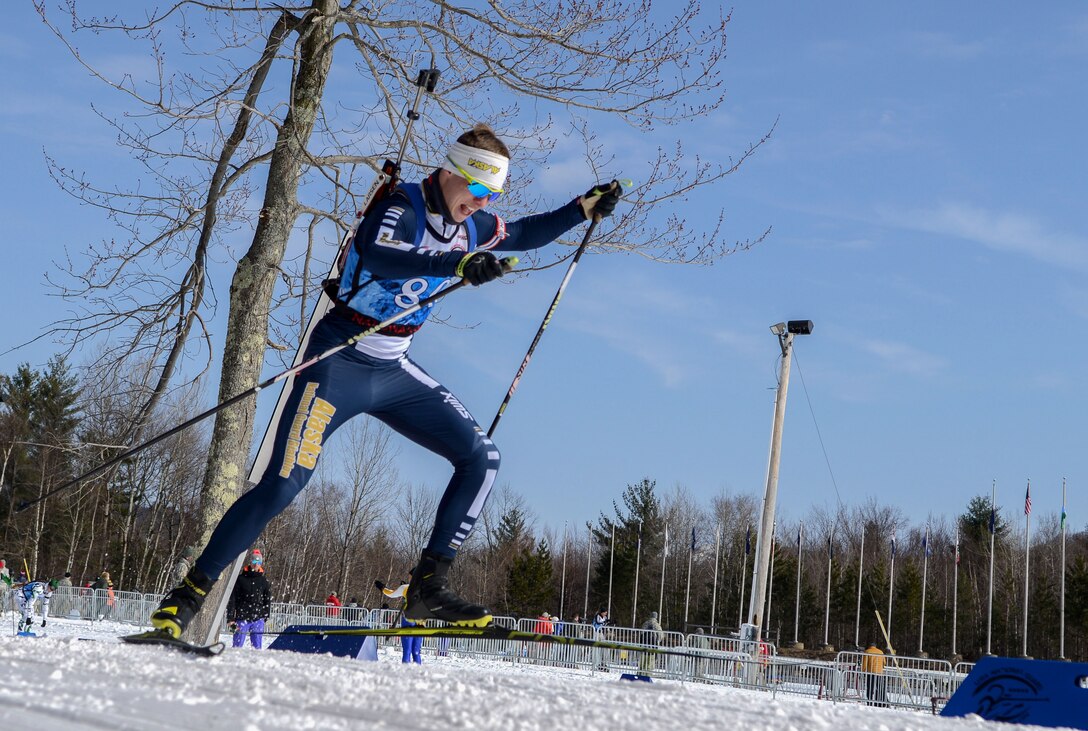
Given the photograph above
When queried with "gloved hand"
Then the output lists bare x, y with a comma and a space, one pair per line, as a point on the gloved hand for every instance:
378, 584
232, 626
479, 267
601, 199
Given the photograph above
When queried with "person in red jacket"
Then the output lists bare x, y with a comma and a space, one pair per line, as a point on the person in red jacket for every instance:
333, 603
544, 624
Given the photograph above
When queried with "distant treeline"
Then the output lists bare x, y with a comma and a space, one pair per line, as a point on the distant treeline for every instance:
357, 522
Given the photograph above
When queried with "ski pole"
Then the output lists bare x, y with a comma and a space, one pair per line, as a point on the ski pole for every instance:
548, 317
508, 264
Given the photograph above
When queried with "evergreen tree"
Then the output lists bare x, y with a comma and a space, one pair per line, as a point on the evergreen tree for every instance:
529, 584
639, 539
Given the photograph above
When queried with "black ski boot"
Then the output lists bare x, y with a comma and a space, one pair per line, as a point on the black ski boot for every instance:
178, 608
430, 597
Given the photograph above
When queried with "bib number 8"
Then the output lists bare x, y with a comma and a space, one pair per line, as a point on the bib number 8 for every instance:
410, 292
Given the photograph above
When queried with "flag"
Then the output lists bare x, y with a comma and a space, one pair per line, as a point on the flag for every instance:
1063, 513
830, 546
993, 518
799, 536
1027, 501
693, 539
893, 546
748, 540
666, 553
925, 543
638, 544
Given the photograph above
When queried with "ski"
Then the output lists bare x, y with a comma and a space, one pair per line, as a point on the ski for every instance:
163, 639
493, 632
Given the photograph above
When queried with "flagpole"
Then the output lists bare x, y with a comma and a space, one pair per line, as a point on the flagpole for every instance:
827, 601
1061, 600
714, 593
891, 592
563, 581
1027, 563
589, 564
687, 592
744, 573
611, 564
925, 571
955, 586
990, 601
661, 595
770, 583
857, 618
638, 559
797, 599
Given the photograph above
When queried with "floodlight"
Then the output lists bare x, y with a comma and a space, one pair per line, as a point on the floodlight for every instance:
799, 327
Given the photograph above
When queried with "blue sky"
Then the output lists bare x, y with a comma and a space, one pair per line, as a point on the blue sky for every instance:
925, 186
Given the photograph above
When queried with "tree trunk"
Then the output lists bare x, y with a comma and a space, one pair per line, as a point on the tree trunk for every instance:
255, 278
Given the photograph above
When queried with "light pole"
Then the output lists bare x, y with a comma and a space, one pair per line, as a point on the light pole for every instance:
785, 332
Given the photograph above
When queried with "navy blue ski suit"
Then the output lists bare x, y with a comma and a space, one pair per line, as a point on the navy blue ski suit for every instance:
401, 253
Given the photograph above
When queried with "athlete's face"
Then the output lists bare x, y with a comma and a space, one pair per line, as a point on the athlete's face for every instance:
461, 203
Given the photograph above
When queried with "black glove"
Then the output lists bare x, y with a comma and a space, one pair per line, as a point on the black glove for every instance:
479, 267
232, 626
378, 584
601, 199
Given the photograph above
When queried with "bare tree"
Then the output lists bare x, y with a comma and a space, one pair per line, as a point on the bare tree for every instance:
370, 479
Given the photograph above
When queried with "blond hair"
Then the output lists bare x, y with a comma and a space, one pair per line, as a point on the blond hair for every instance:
482, 137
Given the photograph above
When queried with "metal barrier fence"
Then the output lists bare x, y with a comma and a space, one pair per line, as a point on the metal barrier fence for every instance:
893, 681
903, 682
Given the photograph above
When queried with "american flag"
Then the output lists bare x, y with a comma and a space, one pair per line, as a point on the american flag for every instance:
1027, 501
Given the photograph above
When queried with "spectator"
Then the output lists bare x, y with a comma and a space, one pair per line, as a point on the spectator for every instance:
872, 665
250, 603
411, 647
544, 624
700, 641
652, 635
5, 573
104, 597
600, 621
185, 562
64, 597
333, 604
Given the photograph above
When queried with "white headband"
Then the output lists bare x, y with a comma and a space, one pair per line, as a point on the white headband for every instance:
489, 168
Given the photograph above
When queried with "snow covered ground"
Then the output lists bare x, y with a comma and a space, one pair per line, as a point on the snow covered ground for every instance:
79, 676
